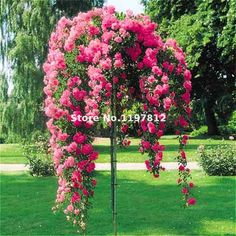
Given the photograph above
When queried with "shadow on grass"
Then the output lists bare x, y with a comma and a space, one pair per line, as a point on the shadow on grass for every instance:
146, 206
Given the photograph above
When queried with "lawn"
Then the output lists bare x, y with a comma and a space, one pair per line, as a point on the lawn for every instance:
146, 206
12, 153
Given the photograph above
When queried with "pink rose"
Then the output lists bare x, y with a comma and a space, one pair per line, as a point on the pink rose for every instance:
151, 128
124, 128
94, 182
184, 191
72, 147
183, 155
147, 163
85, 192
188, 85
143, 125
70, 208
76, 176
187, 75
191, 185
91, 167
79, 94
146, 145
167, 103
79, 138
181, 168
191, 201
75, 197
156, 70
69, 162
86, 149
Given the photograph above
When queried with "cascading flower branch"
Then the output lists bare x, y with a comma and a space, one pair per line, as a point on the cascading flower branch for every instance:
90, 57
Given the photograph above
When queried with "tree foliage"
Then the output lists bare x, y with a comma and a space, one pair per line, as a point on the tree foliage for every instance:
206, 31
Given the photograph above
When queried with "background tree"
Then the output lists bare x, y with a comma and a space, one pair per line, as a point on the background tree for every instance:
206, 31
25, 29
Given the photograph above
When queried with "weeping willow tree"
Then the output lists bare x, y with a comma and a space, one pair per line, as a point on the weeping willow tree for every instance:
25, 29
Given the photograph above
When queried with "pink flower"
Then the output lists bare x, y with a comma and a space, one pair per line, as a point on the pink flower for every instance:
191, 185
188, 85
75, 197
76, 211
184, 191
118, 39
91, 167
134, 52
59, 170
187, 75
85, 192
86, 149
93, 156
63, 137
93, 30
79, 138
191, 201
79, 94
115, 80
108, 87
164, 79
155, 147
69, 162
82, 164
143, 125
167, 103
181, 168
147, 163
159, 157
158, 90
151, 128
186, 97
156, 70
183, 155
70, 208
184, 139
159, 133
72, 147
76, 176
105, 64
146, 145
124, 128
94, 182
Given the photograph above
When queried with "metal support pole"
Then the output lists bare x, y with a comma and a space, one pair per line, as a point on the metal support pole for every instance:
113, 160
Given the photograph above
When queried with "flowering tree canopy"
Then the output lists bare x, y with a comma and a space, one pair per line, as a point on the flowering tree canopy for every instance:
91, 57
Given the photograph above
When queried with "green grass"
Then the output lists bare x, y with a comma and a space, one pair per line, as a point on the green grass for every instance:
146, 206
12, 153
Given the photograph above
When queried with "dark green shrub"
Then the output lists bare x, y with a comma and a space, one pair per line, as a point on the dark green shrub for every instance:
39, 159
219, 160
199, 132
230, 128
2, 139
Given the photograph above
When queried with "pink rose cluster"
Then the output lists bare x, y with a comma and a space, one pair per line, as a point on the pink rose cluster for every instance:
90, 57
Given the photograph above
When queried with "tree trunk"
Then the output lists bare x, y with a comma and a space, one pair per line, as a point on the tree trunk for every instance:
211, 119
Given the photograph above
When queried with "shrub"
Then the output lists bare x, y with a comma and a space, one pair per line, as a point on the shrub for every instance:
2, 139
220, 160
199, 132
230, 128
39, 160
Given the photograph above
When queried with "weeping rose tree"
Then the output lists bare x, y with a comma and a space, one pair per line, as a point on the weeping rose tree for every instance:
91, 57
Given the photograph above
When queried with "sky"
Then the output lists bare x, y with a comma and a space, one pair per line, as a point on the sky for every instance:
123, 5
